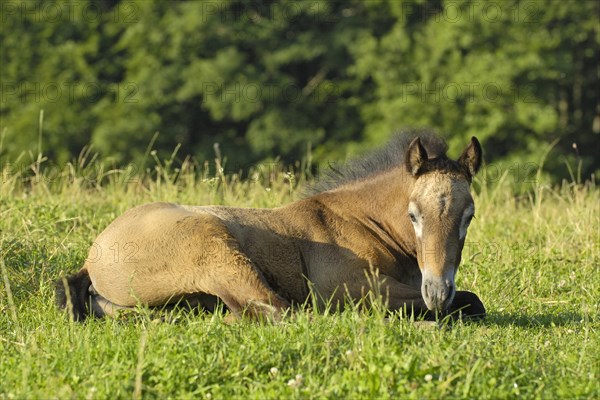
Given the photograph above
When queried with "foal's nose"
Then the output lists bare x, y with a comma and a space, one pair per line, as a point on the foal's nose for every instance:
438, 293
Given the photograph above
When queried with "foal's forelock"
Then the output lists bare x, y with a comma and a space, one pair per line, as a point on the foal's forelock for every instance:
442, 198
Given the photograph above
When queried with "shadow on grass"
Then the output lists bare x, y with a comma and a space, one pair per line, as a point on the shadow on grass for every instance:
550, 319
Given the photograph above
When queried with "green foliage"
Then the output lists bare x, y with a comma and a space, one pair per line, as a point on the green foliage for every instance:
533, 260
273, 78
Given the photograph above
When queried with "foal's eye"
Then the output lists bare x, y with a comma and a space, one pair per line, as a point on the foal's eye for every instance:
468, 222
412, 217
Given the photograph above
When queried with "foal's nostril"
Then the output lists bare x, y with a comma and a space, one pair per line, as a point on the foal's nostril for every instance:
437, 295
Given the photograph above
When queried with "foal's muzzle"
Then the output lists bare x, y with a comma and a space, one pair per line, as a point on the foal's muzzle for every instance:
438, 293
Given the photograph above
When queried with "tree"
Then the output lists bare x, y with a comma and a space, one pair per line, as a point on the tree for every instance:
270, 78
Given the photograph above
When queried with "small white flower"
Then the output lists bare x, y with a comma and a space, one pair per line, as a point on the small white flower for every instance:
428, 377
292, 383
350, 355
274, 372
297, 382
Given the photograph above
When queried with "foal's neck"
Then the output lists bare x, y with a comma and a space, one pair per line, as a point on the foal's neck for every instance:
381, 200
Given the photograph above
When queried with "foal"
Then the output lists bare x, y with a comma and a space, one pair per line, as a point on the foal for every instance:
397, 219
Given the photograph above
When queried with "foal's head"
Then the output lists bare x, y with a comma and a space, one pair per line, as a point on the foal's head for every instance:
440, 209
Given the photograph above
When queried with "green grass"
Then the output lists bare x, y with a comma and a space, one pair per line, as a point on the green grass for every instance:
533, 259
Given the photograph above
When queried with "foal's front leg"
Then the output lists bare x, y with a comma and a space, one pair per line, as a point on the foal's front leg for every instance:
401, 297
466, 305
397, 296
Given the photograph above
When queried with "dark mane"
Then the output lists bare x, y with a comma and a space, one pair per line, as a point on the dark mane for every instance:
390, 156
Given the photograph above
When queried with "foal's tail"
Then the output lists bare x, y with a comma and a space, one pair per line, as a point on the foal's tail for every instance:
73, 294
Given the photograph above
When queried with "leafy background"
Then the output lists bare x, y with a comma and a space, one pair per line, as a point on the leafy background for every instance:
290, 79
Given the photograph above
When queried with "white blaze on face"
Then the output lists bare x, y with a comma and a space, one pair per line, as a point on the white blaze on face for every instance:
416, 218
466, 221
446, 203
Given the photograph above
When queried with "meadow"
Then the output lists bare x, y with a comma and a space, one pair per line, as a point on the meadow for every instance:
532, 256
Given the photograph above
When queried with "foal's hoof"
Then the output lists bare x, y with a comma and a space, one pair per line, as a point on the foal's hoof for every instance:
467, 306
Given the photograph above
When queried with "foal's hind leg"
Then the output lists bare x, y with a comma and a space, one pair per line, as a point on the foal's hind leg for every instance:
247, 294
244, 290
101, 307
223, 269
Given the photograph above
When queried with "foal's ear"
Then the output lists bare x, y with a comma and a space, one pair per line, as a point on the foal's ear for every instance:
416, 156
470, 159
